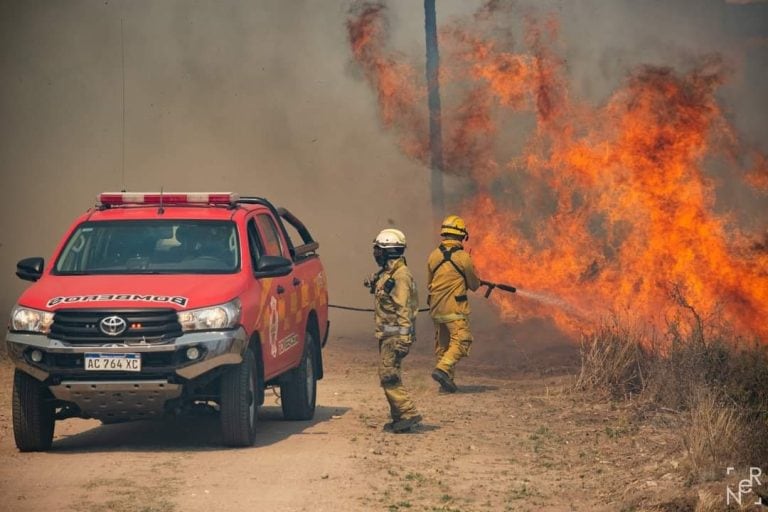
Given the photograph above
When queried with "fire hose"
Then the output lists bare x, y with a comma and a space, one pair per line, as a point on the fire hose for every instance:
368, 310
491, 286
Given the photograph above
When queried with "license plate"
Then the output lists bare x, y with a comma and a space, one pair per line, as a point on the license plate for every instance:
113, 362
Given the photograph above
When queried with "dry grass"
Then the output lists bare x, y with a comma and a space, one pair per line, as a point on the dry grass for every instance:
709, 502
718, 384
714, 435
614, 360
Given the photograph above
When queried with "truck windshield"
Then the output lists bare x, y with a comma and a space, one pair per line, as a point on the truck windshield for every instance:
151, 247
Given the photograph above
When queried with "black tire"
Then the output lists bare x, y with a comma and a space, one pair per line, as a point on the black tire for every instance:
238, 402
298, 388
33, 413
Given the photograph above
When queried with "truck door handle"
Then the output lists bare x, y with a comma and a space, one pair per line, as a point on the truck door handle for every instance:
296, 281
280, 289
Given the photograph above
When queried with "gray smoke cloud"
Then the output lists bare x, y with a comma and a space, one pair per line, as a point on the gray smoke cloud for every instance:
255, 97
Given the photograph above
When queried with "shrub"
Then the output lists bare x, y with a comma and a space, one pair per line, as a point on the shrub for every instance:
717, 382
615, 360
714, 435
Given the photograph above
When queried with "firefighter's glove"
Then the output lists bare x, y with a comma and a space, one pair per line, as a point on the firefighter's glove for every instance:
370, 283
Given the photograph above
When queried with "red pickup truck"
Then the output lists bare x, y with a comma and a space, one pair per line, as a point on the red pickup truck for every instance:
161, 303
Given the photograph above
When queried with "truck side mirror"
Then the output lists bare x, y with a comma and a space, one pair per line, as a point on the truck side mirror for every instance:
273, 266
30, 269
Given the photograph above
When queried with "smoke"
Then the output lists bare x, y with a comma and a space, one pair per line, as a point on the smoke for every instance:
253, 97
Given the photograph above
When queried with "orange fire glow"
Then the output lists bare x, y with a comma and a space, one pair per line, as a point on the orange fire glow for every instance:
598, 209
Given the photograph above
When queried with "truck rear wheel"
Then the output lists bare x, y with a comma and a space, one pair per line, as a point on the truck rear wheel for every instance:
298, 388
33, 413
239, 408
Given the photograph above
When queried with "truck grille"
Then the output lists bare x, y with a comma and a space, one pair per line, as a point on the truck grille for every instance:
84, 325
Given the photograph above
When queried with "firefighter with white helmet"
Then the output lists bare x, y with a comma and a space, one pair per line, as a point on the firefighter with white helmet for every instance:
450, 274
395, 314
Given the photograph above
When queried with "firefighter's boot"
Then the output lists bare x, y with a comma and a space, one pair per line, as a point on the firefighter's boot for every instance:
445, 381
406, 424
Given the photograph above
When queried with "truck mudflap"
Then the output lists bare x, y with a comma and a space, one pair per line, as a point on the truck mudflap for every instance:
118, 400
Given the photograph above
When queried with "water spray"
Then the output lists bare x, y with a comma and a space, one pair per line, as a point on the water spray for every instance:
551, 300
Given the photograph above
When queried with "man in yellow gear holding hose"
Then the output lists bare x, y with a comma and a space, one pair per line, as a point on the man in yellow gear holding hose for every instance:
450, 275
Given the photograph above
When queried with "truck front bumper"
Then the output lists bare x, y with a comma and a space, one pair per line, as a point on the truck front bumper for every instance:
215, 348
123, 395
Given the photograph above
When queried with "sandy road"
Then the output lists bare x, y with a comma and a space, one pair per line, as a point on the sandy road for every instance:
506, 441
179, 464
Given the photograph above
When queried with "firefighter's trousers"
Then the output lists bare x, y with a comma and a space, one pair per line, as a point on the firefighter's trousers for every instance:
400, 404
452, 343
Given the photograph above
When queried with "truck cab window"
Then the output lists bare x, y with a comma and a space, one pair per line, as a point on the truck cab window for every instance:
151, 246
268, 230
254, 243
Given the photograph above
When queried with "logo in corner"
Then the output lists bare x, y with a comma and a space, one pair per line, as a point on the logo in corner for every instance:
113, 325
744, 487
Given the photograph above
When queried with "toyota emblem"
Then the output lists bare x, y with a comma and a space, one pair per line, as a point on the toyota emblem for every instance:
113, 325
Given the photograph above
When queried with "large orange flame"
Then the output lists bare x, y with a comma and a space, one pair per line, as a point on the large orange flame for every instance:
600, 209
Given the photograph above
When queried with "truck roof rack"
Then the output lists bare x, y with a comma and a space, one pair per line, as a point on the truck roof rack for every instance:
309, 246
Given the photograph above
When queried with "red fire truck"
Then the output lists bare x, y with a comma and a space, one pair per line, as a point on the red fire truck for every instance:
162, 303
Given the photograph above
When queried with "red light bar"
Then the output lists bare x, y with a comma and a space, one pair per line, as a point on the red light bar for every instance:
170, 198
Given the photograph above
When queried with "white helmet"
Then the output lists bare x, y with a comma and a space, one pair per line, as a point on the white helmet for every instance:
390, 239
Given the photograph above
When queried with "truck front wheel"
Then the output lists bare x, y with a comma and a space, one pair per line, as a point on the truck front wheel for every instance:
298, 388
33, 413
239, 407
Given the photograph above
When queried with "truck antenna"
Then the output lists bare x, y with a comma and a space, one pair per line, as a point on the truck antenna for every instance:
161, 210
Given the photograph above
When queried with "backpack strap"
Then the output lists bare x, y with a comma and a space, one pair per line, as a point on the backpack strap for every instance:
447, 258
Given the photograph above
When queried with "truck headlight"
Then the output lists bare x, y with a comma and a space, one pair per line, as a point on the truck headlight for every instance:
223, 316
31, 320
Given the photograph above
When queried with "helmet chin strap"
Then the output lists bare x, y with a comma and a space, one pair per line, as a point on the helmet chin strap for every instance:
382, 255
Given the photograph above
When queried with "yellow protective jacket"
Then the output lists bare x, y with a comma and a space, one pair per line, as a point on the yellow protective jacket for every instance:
447, 286
397, 303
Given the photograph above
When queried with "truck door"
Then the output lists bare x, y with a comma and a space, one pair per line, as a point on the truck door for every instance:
284, 314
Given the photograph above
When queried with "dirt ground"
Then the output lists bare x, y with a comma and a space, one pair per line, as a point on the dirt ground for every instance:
511, 439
